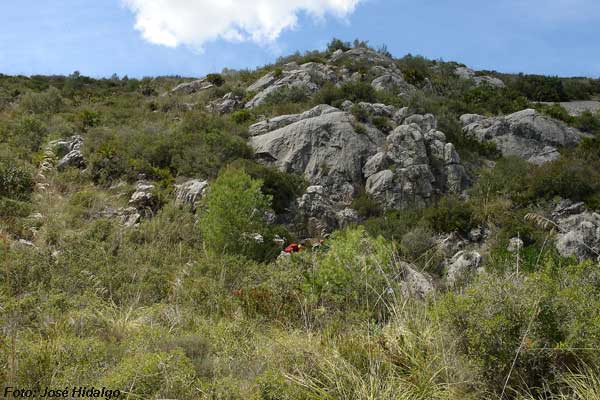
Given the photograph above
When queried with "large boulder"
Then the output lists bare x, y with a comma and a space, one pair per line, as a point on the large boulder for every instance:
229, 103
340, 155
307, 77
461, 267
70, 152
316, 211
393, 82
469, 74
188, 88
415, 283
526, 134
326, 149
579, 236
143, 199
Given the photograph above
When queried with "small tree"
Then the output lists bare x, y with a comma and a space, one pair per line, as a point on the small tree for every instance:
234, 213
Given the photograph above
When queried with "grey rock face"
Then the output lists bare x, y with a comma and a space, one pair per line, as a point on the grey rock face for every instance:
192, 87
316, 210
414, 283
579, 236
526, 134
377, 109
227, 104
462, 266
469, 74
190, 193
72, 148
426, 122
283, 120
143, 199
326, 149
346, 217
422, 166
393, 82
407, 167
308, 77
367, 56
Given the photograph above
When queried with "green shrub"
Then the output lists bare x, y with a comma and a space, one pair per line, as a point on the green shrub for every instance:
16, 180
88, 119
242, 116
235, 212
353, 91
353, 259
540, 88
359, 113
28, 134
337, 44
383, 124
556, 111
282, 187
507, 179
567, 177
415, 69
393, 225
587, 122
449, 214
365, 205
153, 375
288, 94
48, 102
215, 79
547, 317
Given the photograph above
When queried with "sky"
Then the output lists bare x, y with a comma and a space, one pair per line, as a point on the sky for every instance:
141, 38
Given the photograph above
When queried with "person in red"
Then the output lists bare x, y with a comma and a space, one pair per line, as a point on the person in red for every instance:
292, 248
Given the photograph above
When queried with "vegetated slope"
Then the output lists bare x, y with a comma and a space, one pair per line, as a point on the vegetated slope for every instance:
447, 219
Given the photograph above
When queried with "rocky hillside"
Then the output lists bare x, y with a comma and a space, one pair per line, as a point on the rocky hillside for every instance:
341, 224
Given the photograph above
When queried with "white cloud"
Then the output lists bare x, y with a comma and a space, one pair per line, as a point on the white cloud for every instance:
195, 22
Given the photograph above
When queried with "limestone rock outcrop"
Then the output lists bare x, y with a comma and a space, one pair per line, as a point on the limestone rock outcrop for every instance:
469, 74
526, 134
578, 231
338, 155
190, 193
306, 77
191, 87
462, 266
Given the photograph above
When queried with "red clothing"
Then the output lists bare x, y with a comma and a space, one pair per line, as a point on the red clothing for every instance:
292, 248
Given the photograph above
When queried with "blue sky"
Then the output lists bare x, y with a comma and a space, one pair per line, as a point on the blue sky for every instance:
194, 37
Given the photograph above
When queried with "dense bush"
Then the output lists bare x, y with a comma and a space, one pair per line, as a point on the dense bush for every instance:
215, 79
528, 330
353, 91
540, 88
353, 259
16, 180
449, 214
282, 187
234, 214
49, 101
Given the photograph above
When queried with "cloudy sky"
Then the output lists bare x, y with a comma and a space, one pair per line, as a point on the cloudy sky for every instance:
194, 37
